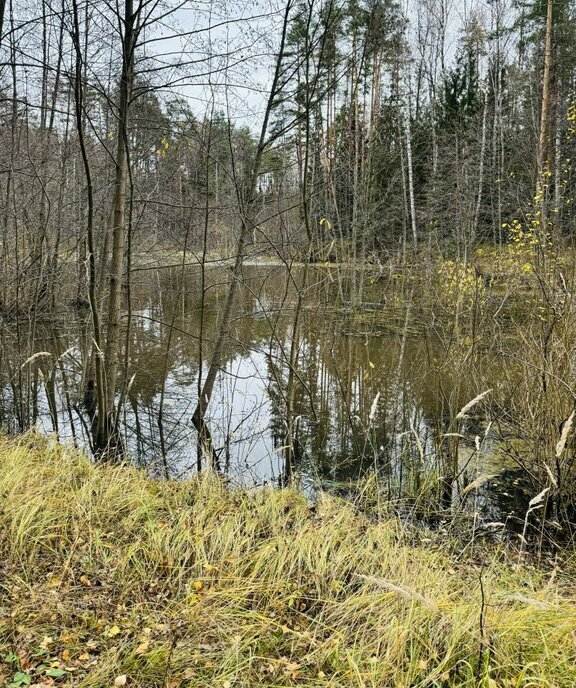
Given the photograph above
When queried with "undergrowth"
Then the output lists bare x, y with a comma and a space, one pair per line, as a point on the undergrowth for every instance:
111, 578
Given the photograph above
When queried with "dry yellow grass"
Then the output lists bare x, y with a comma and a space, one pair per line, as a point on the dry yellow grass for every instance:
108, 575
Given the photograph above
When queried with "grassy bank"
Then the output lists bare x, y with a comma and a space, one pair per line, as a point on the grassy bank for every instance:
108, 577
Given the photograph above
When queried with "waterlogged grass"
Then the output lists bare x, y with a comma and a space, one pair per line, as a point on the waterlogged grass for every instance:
111, 578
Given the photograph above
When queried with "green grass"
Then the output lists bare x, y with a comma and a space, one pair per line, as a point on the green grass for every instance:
107, 574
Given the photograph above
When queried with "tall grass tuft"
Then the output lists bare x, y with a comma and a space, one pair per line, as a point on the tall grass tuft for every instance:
108, 575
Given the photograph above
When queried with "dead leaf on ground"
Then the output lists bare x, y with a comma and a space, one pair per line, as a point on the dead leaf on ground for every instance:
113, 631
142, 648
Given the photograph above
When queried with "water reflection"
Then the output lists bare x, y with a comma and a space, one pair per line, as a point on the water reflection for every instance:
373, 388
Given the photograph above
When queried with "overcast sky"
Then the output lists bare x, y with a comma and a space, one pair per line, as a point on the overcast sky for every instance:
223, 54
218, 54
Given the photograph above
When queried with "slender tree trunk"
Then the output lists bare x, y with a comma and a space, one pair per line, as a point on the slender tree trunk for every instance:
408, 131
117, 261
544, 161
96, 386
246, 210
481, 169
2, 12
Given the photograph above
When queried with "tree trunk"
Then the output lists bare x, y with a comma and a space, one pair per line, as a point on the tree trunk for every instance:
246, 209
116, 273
408, 129
544, 161
97, 384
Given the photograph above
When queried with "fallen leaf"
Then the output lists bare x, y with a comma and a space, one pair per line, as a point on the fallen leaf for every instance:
55, 673
121, 680
24, 659
142, 648
113, 631
86, 581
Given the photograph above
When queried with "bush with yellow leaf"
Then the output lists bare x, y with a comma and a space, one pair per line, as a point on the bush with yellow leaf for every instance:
459, 286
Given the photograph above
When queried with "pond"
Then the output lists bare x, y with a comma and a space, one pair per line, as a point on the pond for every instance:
376, 387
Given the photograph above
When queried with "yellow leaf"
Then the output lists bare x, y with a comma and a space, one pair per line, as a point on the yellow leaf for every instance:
197, 585
86, 581
113, 631
84, 657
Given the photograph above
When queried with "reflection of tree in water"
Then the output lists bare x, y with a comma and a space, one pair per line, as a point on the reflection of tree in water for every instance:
343, 377
359, 400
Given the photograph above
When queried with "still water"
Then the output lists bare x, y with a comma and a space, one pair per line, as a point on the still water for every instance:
376, 387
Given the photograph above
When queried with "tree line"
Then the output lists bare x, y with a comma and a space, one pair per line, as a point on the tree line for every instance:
131, 133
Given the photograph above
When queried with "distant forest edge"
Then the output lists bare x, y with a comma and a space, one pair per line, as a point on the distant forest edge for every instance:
441, 124
324, 130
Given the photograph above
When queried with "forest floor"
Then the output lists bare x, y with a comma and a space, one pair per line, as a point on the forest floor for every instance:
111, 578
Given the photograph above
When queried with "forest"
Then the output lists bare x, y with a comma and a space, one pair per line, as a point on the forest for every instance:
288, 343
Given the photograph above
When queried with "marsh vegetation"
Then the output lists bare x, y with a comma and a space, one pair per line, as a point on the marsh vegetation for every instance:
114, 578
296, 257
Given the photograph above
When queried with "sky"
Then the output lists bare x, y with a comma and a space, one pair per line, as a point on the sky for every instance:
217, 54
223, 54
226, 48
